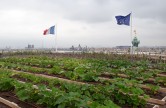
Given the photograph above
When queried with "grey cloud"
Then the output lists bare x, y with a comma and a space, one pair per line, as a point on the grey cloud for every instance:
92, 11
92, 18
147, 9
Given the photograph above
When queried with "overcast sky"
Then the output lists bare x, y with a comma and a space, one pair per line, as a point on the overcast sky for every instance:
90, 23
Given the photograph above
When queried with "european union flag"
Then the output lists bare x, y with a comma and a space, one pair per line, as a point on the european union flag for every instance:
125, 20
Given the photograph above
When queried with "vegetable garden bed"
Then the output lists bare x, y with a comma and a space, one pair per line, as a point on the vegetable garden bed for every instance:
110, 82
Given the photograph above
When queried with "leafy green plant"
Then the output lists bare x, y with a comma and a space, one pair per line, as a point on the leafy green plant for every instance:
84, 67
6, 84
153, 88
27, 92
107, 104
49, 97
161, 80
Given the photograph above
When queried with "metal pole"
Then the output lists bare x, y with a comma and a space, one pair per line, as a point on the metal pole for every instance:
131, 32
56, 37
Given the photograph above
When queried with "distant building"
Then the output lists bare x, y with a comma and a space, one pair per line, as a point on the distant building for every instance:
79, 48
123, 47
30, 46
72, 48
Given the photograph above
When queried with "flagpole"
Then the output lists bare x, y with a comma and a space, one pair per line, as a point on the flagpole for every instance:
131, 33
42, 43
56, 37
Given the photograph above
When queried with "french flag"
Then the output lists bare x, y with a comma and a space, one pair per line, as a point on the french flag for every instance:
51, 30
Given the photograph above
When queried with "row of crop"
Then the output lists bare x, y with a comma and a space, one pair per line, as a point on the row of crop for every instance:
89, 69
125, 82
119, 85
84, 72
154, 88
20, 67
32, 61
97, 94
43, 62
90, 76
50, 62
139, 74
67, 64
72, 63
56, 97
101, 56
135, 73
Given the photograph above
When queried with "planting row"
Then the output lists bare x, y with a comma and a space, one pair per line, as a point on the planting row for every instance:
91, 96
120, 85
77, 69
125, 91
67, 95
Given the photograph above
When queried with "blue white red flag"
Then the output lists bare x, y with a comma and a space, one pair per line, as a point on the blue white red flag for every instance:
51, 30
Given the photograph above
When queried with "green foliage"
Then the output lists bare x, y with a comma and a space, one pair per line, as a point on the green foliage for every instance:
153, 88
161, 80
56, 70
125, 86
26, 92
6, 84
117, 90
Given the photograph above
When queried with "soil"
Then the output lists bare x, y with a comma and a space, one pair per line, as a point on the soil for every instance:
27, 80
46, 83
149, 106
153, 83
20, 78
157, 95
106, 76
10, 96
144, 82
146, 106
60, 76
164, 73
